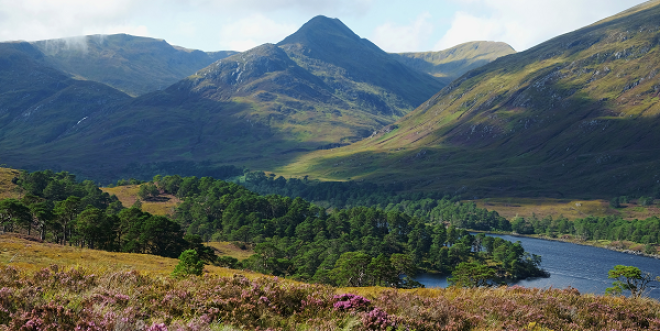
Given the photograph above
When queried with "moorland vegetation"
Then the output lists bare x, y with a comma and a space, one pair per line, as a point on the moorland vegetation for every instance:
54, 287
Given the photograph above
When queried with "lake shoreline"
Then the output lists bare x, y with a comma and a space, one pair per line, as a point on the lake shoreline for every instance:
582, 243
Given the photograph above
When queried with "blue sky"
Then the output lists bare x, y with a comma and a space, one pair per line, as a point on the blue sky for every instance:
394, 25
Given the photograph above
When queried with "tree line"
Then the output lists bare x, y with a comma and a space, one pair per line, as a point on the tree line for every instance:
356, 246
613, 228
295, 238
65, 211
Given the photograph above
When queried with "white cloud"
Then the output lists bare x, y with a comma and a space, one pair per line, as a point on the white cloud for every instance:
329, 7
48, 19
253, 31
525, 23
187, 29
403, 38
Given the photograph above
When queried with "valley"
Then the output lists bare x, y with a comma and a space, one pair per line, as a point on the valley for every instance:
319, 182
573, 117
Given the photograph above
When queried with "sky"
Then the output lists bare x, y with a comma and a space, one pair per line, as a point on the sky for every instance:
393, 25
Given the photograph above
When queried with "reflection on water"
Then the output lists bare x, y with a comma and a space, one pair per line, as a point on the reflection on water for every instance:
582, 267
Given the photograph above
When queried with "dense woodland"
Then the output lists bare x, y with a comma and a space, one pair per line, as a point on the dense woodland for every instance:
291, 237
296, 238
69, 212
396, 235
432, 208
594, 228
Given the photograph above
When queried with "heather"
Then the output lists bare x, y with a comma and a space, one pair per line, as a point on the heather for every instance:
73, 298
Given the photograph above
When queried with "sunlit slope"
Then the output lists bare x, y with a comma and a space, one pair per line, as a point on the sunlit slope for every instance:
165, 205
257, 108
453, 62
72, 288
33, 256
576, 115
356, 70
7, 188
134, 65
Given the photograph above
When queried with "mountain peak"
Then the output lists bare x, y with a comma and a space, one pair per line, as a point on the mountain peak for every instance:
319, 29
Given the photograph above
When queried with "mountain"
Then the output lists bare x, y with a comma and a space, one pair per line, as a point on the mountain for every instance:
357, 70
319, 88
134, 65
452, 63
574, 116
39, 104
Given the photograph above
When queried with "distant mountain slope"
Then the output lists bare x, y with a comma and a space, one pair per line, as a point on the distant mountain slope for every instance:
577, 115
452, 63
319, 88
357, 70
39, 104
135, 65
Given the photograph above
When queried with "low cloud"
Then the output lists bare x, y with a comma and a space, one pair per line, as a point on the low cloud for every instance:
75, 44
404, 38
38, 20
525, 23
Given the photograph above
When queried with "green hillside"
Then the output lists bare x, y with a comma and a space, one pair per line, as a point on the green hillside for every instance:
39, 104
574, 116
257, 108
356, 70
134, 65
452, 63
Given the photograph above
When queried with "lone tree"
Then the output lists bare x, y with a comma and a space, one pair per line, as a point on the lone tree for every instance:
148, 191
189, 264
628, 278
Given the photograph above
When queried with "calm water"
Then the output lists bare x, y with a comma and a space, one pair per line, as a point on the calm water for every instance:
582, 267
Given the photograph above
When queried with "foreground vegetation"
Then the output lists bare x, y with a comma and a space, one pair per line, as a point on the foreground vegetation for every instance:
62, 292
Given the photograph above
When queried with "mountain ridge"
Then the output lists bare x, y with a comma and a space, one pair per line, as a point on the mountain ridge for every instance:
319, 88
572, 116
138, 64
453, 62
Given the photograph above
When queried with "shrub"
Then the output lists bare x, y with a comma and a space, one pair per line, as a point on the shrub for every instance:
189, 264
227, 261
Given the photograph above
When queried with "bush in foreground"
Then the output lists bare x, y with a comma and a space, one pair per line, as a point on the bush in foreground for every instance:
189, 264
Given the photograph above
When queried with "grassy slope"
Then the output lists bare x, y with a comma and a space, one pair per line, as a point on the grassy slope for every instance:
229, 249
453, 62
356, 70
134, 65
155, 298
128, 194
34, 256
257, 108
7, 188
575, 116
571, 209
49, 106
